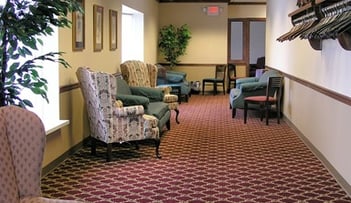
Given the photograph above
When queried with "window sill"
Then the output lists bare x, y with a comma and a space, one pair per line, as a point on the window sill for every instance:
52, 126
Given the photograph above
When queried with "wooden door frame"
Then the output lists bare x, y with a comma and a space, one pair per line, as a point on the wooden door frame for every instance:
246, 40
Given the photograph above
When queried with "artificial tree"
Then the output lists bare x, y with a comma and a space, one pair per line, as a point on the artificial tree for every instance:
173, 42
22, 23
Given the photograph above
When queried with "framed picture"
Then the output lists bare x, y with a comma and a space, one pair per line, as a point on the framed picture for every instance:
78, 29
113, 29
98, 20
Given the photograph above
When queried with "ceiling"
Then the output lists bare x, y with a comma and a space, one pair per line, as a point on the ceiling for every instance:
225, 1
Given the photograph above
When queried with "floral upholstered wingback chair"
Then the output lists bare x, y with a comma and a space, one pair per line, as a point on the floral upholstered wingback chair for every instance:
109, 122
141, 74
22, 144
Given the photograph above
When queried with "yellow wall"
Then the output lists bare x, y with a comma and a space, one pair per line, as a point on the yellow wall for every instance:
209, 34
208, 44
247, 11
71, 102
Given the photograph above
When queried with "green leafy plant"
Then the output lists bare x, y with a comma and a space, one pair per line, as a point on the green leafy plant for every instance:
173, 42
22, 23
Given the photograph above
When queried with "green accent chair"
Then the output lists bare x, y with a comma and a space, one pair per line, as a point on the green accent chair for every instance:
249, 86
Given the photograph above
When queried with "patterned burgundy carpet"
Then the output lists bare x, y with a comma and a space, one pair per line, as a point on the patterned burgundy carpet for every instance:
208, 157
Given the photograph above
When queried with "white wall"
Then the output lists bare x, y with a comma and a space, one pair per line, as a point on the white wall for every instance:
321, 119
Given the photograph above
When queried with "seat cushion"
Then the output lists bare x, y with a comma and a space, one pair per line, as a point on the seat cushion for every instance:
153, 94
131, 100
157, 109
259, 99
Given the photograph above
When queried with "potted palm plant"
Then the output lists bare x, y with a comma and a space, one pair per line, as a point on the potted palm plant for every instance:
173, 42
22, 23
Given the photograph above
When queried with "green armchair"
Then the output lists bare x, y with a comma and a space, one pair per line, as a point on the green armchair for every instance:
150, 98
250, 86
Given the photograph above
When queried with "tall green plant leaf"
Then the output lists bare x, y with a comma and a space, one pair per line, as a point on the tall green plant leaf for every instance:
22, 23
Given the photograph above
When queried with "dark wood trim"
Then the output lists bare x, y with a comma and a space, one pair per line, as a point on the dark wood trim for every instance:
337, 96
191, 64
193, 1
68, 88
213, 1
247, 3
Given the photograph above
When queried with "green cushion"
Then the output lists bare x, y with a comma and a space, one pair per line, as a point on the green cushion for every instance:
157, 109
154, 94
131, 100
267, 74
123, 87
174, 78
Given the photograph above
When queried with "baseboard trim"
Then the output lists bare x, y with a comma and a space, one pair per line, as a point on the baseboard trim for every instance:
51, 166
343, 183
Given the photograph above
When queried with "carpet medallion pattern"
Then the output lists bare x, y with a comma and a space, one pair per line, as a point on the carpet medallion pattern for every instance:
208, 157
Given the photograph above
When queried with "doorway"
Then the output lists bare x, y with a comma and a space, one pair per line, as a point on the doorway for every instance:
246, 42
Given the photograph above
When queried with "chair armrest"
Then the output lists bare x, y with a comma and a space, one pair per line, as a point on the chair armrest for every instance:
131, 100
153, 94
175, 77
129, 111
246, 80
241, 81
252, 86
165, 88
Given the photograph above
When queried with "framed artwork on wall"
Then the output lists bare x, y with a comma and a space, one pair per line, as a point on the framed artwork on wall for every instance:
113, 29
78, 29
98, 21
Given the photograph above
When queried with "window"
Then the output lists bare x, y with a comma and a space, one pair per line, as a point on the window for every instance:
48, 112
246, 40
132, 34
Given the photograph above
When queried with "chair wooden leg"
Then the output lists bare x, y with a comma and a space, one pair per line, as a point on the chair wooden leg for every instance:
233, 112
109, 152
168, 124
223, 88
214, 88
203, 87
157, 144
177, 113
136, 146
278, 112
93, 146
267, 113
262, 111
245, 111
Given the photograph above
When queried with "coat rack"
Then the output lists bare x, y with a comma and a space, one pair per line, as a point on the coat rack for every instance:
319, 20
